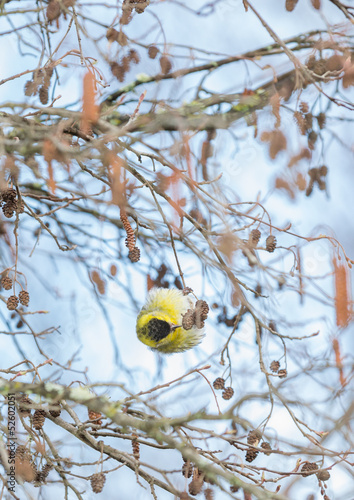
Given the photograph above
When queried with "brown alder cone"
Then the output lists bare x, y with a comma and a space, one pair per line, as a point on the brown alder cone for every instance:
6, 283
56, 409
8, 210
227, 393
271, 243
300, 122
254, 237
12, 303
24, 297
134, 255
112, 35
290, 5
188, 319
93, 415
133, 56
97, 482
187, 469
254, 437
153, 51
24, 400
323, 475
117, 71
274, 366
30, 88
219, 383
135, 447
43, 94
165, 64
266, 447
38, 419
251, 455
308, 468
53, 10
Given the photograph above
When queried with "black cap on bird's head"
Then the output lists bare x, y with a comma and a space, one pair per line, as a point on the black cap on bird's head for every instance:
158, 329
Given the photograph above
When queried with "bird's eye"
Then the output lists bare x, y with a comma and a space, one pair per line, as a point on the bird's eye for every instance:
158, 329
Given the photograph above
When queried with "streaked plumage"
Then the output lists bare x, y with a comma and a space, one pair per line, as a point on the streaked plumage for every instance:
158, 323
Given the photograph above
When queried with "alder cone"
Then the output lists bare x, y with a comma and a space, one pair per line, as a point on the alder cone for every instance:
25, 412
254, 437
9, 195
136, 447
126, 16
8, 210
153, 51
93, 415
24, 297
42, 475
38, 419
22, 452
290, 5
251, 455
125, 63
43, 94
323, 475
304, 107
209, 494
134, 56
112, 35
188, 319
122, 39
134, 255
202, 308
266, 447
195, 486
274, 366
271, 243
321, 120
219, 383
255, 237
309, 468
335, 63
12, 303
187, 469
227, 393
6, 283
97, 482
30, 88
165, 64
300, 122
56, 410
53, 10
117, 71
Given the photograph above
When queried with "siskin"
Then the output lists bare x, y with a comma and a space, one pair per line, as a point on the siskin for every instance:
159, 323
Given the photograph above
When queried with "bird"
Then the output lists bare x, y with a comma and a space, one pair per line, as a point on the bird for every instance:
159, 322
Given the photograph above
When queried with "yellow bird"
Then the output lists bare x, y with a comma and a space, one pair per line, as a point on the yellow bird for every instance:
159, 323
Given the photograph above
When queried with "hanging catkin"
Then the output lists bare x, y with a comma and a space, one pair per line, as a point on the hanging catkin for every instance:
342, 299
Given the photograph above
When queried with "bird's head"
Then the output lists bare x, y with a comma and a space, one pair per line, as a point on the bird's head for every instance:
152, 329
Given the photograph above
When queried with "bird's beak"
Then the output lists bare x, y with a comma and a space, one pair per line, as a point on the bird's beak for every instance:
174, 327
